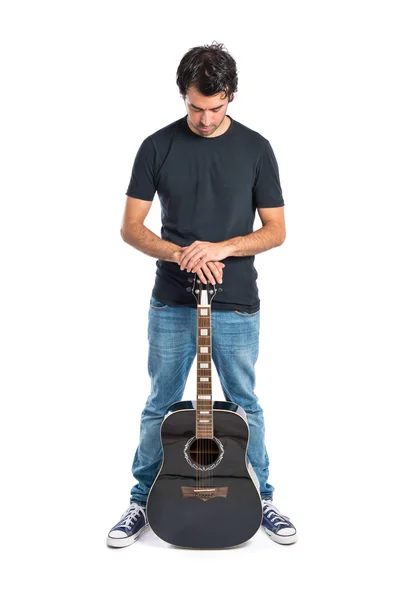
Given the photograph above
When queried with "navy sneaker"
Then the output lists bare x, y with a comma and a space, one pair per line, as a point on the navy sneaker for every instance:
277, 526
131, 525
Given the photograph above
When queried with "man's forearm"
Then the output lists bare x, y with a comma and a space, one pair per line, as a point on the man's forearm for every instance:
141, 238
268, 236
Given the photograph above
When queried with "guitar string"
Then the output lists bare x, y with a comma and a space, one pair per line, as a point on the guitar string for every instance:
201, 441
201, 386
197, 407
198, 369
209, 441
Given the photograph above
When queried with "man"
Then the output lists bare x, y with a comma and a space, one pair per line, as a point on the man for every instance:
210, 173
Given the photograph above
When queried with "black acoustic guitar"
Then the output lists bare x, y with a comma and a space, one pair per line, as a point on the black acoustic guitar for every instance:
204, 495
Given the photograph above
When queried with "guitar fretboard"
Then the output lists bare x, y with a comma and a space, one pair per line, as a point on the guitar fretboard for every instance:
204, 413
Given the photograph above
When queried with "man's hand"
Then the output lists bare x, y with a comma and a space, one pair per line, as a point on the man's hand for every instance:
199, 253
212, 270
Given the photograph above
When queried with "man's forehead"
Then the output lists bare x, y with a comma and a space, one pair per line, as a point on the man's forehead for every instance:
197, 100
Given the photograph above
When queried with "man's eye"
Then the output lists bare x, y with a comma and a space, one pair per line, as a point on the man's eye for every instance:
213, 110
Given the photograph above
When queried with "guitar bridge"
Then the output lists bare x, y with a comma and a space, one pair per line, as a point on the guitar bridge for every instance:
204, 493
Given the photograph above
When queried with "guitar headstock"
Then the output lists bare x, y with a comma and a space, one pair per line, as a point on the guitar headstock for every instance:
203, 292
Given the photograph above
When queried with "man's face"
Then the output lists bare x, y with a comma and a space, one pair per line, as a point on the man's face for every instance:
205, 111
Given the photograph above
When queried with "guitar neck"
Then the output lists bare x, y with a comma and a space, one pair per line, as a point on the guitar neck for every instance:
204, 412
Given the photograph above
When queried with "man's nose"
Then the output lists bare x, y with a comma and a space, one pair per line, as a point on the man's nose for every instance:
206, 120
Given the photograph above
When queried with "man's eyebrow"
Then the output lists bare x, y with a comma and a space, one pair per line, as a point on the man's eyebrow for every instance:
214, 108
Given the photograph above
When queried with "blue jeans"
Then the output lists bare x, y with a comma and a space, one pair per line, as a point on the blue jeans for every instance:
172, 349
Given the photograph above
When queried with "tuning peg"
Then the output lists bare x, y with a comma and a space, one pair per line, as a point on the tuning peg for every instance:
220, 290
190, 279
188, 289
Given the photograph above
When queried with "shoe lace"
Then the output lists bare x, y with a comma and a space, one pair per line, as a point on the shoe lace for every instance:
131, 514
273, 513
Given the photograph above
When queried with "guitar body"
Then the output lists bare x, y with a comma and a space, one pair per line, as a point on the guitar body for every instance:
204, 496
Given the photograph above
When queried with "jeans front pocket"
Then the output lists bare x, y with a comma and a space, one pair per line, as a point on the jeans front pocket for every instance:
156, 304
247, 314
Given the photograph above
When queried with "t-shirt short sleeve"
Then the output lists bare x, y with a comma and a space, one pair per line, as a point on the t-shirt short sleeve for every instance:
267, 192
142, 182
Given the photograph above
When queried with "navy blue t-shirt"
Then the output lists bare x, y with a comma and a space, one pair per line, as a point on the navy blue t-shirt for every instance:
209, 189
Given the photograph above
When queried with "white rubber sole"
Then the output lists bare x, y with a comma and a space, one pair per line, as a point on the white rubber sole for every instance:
281, 539
125, 541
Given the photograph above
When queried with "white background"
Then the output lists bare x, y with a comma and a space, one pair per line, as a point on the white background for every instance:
83, 84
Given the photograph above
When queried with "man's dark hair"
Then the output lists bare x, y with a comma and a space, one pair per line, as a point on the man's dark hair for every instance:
210, 68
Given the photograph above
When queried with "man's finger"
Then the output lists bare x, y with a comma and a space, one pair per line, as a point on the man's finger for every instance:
220, 272
216, 271
207, 271
201, 275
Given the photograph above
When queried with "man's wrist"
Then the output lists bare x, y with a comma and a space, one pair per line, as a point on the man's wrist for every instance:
231, 246
176, 255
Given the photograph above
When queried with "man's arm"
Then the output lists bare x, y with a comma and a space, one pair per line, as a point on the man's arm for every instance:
271, 234
135, 233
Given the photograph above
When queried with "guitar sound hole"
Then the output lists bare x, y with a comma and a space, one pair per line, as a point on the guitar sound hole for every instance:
204, 452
